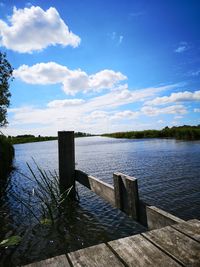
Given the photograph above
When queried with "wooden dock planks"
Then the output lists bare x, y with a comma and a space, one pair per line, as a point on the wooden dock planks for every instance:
138, 251
95, 256
171, 246
176, 244
59, 261
190, 228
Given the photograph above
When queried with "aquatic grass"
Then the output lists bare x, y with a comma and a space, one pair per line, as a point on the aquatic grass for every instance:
45, 202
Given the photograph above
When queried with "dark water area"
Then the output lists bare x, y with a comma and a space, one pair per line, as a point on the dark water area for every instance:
168, 173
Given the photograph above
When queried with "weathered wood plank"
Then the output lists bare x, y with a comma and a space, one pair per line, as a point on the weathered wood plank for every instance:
104, 190
66, 160
176, 244
190, 228
138, 251
126, 194
58, 261
95, 256
157, 218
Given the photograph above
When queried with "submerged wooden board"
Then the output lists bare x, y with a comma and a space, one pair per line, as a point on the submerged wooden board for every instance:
59, 261
190, 228
95, 256
104, 190
179, 246
138, 251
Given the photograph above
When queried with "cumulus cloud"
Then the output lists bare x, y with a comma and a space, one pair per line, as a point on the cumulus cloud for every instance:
152, 111
42, 73
175, 97
33, 28
72, 81
196, 109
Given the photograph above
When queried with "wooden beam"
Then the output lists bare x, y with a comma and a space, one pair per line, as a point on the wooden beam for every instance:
104, 190
157, 218
126, 194
66, 161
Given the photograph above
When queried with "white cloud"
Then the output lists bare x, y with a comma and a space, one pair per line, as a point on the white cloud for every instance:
96, 115
183, 46
65, 112
122, 96
117, 38
178, 117
32, 29
42, 73
152, 111
65, 103
175, 97
126, 114
105, 79
195, 73
73, 81
196, 109
121, 37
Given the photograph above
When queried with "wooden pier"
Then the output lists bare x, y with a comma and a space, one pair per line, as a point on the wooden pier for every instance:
169, 241
171, 246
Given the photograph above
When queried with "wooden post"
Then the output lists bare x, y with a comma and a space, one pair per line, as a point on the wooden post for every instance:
126, 194
66, 157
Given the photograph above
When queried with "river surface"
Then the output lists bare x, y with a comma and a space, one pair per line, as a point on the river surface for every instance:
168, 173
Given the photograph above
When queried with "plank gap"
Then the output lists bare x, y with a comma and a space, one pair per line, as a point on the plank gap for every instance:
117, 255
164, 251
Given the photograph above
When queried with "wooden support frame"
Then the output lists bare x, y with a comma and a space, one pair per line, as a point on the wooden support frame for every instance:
126, 194
104, 190
157, 218
123, 195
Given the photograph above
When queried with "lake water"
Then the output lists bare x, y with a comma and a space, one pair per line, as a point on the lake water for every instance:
168, 173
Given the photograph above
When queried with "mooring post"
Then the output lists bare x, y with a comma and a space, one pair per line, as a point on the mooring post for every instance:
126, 194
66, 161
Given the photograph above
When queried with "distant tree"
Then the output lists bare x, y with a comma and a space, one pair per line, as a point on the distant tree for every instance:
6, 75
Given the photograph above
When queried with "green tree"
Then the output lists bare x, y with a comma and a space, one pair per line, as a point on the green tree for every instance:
6, 75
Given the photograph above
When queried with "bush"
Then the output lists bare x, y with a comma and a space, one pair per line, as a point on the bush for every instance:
6, 156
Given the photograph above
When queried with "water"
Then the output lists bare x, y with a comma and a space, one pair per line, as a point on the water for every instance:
168, 177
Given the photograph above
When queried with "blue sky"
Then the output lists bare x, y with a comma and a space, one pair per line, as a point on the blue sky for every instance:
101, 66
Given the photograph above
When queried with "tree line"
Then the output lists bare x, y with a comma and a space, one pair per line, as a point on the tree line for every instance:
185, 132
29, 138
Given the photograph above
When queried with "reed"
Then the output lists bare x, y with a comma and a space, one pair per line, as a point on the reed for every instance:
43, 200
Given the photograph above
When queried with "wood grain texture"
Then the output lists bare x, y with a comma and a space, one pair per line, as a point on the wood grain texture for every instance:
104, 190
157, 218
126, 194
176, 244
190, 228
95, 256
58, 261
139, 252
